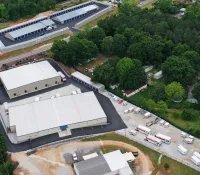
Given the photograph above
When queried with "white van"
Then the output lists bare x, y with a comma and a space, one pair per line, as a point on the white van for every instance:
195, 160
133, 132
182, 150
183, 134
196, 154
162, 122
188, 140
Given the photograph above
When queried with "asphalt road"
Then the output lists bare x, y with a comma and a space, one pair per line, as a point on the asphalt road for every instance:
114, 119
8, 42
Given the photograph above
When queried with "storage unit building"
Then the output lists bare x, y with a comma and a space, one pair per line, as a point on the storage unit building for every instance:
87, 81
75, 14
29, 78
29, 30
54, 115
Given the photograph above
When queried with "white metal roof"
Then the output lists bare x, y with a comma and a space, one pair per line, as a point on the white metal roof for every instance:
115, 160
163, 136
54, 112
27, 74
30, 28
75, 13
86, 79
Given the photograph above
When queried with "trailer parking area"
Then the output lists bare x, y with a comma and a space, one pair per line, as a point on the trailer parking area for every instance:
134, 119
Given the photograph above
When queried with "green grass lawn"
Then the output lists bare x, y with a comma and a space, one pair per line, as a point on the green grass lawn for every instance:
149, 5
107, 149
176, 168
94, 22
133, 2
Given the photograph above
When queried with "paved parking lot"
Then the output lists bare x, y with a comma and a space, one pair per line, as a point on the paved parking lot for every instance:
132, 120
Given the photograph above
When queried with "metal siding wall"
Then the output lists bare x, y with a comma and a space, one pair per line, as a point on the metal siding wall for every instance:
31, 87
35, 41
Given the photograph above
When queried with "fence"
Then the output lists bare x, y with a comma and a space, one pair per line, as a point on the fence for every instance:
132, 102
85, 21
158, 150
34, 41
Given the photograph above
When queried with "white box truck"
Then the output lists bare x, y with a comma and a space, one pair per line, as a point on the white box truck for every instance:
62, 76
196, 154
143, 129
153, 139
182, 150
195, 160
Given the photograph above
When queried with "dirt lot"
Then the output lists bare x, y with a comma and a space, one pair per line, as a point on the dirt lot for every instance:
50, 161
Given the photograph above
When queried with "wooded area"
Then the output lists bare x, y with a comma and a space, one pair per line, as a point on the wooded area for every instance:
17, 9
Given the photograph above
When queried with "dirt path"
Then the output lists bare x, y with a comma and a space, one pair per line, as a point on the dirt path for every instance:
50, 161
144, 161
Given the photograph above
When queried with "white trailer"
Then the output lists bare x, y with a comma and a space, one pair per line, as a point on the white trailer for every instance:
195, 160
137, 110
153, 139
147, 115
182, 150
62, 76
163, 138
196, 154
143, 129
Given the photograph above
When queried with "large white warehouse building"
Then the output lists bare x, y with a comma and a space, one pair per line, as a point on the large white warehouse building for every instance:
29, 78
55, 115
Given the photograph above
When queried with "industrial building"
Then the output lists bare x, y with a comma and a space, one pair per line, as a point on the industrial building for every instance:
29, 30
58, 114
87, 81
108, 164
29, 78
75, 14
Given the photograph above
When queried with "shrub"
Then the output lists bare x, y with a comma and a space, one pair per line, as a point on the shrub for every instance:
166, 166
190, 114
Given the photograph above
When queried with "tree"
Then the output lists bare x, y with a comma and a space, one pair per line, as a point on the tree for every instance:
158, 93
148, 51
3, 149
57, 48
106, 73
194, 59
150, 104
178, 69
180, 49
107, 46
96, 35
119, 42
161, 106
175, 91
196, 92
131, 74
7, 168
166, 166
163, 5
190, 114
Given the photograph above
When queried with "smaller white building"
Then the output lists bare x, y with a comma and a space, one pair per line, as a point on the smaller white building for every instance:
113, 163
158, 75
29, 78
87, 81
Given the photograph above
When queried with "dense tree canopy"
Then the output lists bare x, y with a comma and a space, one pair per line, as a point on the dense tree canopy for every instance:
76, 51
131, 74
3, 149
16, 9
107, 46
175, 91
196, 92
178, 69
106, 73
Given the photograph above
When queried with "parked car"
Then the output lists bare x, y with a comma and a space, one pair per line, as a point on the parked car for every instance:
149, 123
156, 120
